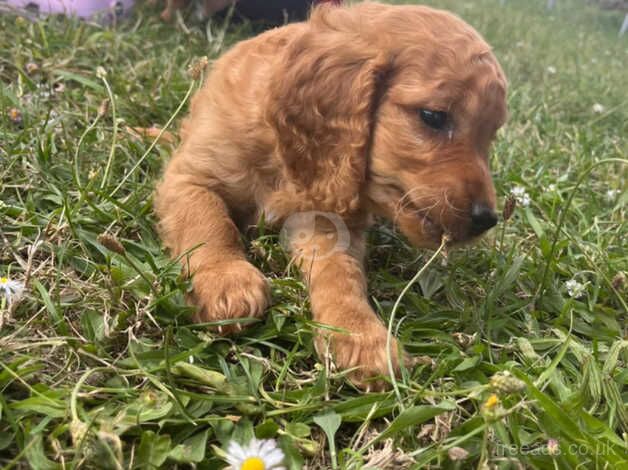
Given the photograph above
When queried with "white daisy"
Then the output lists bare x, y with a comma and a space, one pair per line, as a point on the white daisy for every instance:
10, 289
521, 196
256, 455
551, 70
598, 108
574, 288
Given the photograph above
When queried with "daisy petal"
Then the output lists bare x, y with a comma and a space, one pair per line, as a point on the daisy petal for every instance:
267, 445
273, 458
235, 454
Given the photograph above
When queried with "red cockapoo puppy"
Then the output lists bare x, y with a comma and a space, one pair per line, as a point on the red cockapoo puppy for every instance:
361, 110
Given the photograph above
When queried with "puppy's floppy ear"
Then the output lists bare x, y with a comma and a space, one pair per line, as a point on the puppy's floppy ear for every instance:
322, 105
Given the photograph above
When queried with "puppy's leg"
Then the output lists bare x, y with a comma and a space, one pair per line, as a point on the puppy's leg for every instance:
334, 271
195, 219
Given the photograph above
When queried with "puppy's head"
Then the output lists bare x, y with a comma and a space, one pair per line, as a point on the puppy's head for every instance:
445, 100
393, 108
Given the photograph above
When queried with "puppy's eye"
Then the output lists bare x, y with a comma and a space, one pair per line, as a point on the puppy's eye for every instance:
434, 119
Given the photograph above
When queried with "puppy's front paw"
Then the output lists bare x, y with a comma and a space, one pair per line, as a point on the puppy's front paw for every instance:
365, 350
230, 290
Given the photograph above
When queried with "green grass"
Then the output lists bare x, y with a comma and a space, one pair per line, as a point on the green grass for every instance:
101, 366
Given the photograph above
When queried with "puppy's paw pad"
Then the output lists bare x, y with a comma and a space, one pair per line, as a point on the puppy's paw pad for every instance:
228, 291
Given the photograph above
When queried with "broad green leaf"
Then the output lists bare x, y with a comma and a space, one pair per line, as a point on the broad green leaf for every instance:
80, 79
36, 455
149, 407
330, 423
266, 430
539, 382
357, 409
293, 459
205, 376
152, 451
467, 363
57, 317
413, 416
41, 405
298, 429
192, 450
94, 325
6, 438
243, 432
534, 223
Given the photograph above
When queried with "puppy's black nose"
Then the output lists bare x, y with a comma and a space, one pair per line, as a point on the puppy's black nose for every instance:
482, 218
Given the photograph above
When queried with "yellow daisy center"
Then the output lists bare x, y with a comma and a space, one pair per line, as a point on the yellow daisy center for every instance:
253, 463
3, 280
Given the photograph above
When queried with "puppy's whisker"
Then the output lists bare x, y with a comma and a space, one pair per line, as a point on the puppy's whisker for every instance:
422, 212
408, 193
424, 187
450, 205
413, 203
406, 198
425, 210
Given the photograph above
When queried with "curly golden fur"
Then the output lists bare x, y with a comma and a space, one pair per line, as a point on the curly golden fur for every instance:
325, 116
